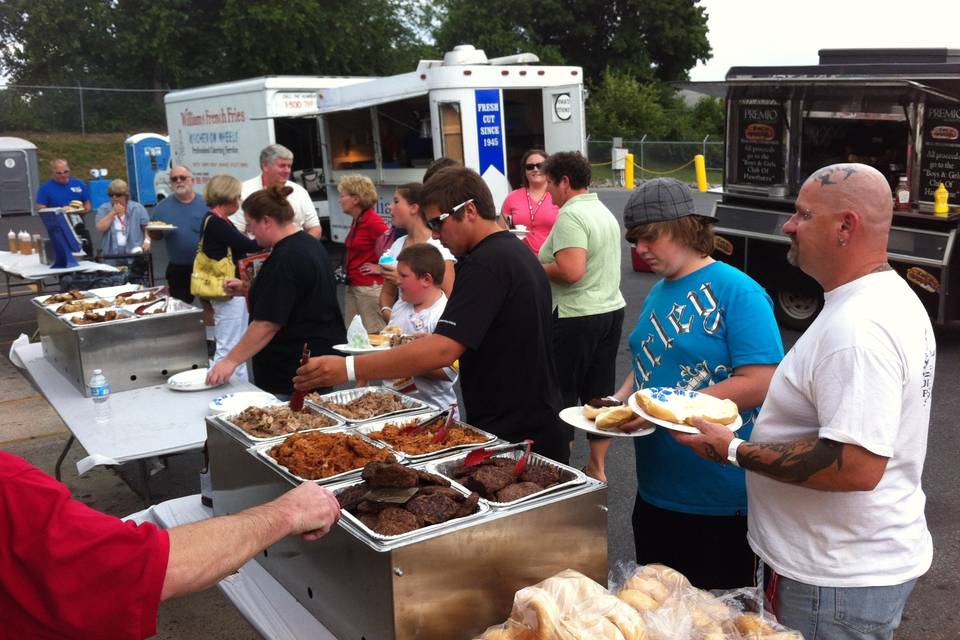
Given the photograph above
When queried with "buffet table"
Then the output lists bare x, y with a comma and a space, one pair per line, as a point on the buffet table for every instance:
266, 605
147, 422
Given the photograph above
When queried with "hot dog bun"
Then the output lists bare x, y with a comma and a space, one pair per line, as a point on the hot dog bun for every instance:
611, 418
680, 408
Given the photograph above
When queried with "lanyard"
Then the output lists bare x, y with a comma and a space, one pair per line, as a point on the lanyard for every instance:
533, 212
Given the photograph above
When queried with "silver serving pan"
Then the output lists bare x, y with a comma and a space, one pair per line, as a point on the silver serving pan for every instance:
367, 428
136, 298
56, 308
353, 524
410, 405
226, 419
569, 477
262, 452
122, 314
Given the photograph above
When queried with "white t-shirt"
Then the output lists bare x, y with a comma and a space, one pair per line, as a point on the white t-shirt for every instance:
304, 213
861, 374
437, 392
397, 247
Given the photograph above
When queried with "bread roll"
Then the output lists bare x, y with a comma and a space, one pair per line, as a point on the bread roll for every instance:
680, 408
672, 578
650, 586
638, 599
591, 413
379, 340
611, 419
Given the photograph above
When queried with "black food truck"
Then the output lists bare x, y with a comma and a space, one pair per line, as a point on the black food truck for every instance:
897, 110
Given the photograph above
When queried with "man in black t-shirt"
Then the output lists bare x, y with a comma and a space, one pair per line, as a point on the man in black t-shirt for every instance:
497, 322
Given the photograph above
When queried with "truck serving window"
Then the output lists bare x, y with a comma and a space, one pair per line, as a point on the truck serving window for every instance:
405, 136
351, 140
451, 124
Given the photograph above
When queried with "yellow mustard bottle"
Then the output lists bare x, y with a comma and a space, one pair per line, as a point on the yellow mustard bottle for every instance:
940, 207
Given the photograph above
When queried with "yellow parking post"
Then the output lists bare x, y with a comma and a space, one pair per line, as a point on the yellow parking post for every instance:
700, 165
628, 171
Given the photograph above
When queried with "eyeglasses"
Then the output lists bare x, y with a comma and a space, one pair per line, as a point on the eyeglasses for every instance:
434, 224
62, 173
117, 195
179, 178
530, 166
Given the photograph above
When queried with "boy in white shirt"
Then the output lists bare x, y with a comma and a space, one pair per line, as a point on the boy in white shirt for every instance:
420, 269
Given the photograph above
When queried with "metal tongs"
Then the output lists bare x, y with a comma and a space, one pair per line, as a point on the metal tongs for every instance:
479, 456
157, 291
296, 398
142, 309
446, 415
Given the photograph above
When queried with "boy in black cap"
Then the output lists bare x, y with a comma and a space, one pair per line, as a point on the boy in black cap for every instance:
707, 327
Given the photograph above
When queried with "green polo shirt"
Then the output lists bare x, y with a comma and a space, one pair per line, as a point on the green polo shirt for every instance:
584, 222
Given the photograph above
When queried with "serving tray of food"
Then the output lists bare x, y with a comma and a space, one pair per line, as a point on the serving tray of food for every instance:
97, 316
73, 295
419, 445
80, 306
393, 502
269, 422
494, 479
366, 404
323, 456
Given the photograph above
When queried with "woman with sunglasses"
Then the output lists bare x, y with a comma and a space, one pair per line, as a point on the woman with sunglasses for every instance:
531, 205
122, 224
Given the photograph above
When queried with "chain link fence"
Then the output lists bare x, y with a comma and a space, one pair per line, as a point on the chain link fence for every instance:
656, 158
80, 109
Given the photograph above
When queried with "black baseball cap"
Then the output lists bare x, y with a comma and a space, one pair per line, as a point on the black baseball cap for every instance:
659, 200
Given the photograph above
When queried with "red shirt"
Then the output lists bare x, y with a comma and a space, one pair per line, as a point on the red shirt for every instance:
67, 571
361, 242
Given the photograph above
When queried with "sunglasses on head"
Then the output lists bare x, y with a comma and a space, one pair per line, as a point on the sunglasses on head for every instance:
179, 178
434, 224
530, 166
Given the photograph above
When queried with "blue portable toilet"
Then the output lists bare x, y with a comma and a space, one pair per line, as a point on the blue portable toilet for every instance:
147, 154
98, 189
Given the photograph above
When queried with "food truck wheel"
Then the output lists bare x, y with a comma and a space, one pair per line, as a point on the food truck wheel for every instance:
797, 309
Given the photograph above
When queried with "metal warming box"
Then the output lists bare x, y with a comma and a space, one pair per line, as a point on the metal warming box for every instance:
133, 352
449, 582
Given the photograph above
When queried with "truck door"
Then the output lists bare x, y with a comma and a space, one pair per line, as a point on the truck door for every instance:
563, 122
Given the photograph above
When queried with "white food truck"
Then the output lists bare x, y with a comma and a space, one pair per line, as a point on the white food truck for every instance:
482, 112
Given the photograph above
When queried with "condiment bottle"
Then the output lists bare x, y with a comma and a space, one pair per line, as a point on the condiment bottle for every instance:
902, 195
26, 243
12, 241
940, 206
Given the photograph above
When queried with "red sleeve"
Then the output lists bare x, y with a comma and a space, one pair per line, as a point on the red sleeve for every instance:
67, 571
360, 248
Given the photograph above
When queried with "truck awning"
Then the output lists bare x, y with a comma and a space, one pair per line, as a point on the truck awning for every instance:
719, 88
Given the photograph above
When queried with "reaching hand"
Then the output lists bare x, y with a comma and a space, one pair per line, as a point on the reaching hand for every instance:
635, 424
314, 510
321, 371
221, 372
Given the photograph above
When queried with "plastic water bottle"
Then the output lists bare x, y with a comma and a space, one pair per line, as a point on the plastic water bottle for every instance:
100, 394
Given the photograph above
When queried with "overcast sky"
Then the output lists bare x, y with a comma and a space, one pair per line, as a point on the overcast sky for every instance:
775, 32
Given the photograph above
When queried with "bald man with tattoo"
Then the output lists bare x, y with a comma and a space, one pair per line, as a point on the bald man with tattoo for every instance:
836, 510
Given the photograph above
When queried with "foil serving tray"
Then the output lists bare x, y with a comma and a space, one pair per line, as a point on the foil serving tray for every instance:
226, 419
369, 427
569, 477
410, 405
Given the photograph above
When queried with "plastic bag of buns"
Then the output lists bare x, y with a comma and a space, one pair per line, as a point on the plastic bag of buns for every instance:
568, 606
673, 609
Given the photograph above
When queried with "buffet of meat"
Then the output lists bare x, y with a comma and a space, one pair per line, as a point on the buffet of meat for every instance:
433, 501
495, 479
317, 455
420, 441
66, 296
81, 305
369, 405
265, 422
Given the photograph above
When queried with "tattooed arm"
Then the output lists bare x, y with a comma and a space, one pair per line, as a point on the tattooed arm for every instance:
815, 463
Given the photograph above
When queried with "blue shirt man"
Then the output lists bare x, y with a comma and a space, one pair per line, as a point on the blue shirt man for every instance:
185, 210
60, 190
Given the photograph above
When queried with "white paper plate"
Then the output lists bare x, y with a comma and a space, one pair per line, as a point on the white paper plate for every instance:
346, 348
520, 233
159, 227
632, 401
574, 417
192, 380
237, 402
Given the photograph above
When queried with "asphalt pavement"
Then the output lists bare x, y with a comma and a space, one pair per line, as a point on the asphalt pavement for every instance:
930, 613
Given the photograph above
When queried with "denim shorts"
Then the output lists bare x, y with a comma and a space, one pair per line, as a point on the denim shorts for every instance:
839, 613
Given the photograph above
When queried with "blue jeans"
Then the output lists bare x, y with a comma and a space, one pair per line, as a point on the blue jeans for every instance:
840, 613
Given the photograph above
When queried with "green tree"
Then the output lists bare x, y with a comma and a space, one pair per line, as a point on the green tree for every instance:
649, 39
622, 106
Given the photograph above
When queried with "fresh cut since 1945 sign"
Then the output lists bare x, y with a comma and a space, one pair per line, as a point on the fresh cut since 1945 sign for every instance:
490, 130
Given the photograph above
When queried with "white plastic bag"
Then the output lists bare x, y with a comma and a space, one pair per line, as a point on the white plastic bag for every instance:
357, 335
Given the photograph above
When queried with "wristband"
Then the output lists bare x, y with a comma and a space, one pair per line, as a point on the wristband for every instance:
382, 309
732, 451
351, 374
